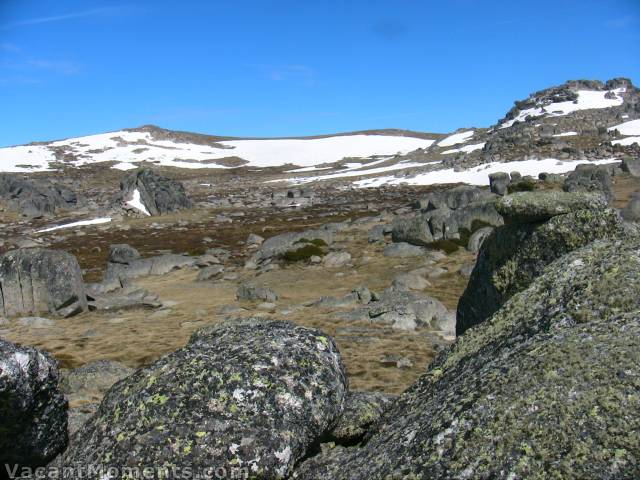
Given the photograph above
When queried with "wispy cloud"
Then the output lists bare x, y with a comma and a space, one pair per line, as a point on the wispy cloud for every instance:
9, 47
621, 22
390, 29
281, 73
62, 67
103, 11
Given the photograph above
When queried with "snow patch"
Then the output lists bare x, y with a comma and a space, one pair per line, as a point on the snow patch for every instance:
566, 134
628, 128
480, 175
456, 138
627, 141
136, 203
124, 166
465, 149
82, 223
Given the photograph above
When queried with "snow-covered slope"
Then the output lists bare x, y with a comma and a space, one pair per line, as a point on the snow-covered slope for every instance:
586, 99
129, 147
630, 130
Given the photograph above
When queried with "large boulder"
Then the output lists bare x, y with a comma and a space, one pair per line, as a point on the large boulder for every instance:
499, 182
631, 212
153, 194
453, 198
414, 230
37, 280
33, 412
277, 246
515, 254
531, 207
590, 178
246, 396
547, 388
35, 198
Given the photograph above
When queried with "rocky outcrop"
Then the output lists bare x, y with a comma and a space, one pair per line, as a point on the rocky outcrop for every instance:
125, 262
278, 246
33, 412
546, 388
35, 198
499, 182
247, 395
453, 198
515, 254
590, 178
37, 280
531, 207
150, 193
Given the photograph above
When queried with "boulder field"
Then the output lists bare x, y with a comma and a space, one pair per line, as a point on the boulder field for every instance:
542, 381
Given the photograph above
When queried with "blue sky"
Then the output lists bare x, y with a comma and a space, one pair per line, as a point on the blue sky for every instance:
285, 67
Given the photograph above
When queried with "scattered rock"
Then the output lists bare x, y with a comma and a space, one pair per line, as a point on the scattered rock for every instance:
251, 292
122, 253
254, 240
499, 182
402, 250
631, 166
36, 322
336, 259
210, 273
37, 280
397, 361
631, 213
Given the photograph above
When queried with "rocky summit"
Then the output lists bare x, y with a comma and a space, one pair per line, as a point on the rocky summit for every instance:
382, 304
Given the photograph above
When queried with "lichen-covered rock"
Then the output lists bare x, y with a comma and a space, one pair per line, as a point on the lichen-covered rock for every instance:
453, 198
247, 394
252, 292
547, 388
590, 178
35, 197
122, 253
499, 182
631, 212
277, 246
414, 230
361, 411
33, 412
157, 194
530, 207
37, 280
515, 254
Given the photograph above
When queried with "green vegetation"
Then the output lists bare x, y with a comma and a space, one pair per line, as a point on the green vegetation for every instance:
303, 253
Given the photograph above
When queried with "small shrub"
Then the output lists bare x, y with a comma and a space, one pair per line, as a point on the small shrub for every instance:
303, 253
